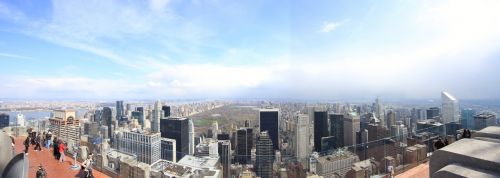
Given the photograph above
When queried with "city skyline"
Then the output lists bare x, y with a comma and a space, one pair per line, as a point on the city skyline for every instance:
251, 49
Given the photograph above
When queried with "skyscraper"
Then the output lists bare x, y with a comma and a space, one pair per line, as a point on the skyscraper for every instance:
264, 156
320, 128
468, 118
145, 146
302, 137
380, 112
66, 126
119, 110
139, 116
269, 121
191, 136
451, 112
215, 129
244, 141
4, 120
107, 120
20, 120
166, 111
337, 128
433, 113
391, 119
177, 129
351, 126
157, 115
225, 157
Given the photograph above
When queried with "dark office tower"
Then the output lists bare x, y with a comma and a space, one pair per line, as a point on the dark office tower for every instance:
337, 128
247, 123
139, 116
223, 136
264, 156
140, 109
107, 120
391, 119
244, 145
177, 129
119, 110
97, 117
433, 113
4, 120
269, 121
166, 111
320, 128
233, 140
225, 157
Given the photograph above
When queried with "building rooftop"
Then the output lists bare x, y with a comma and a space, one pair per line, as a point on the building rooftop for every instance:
269, 110
338, 155
171, 169
199, 162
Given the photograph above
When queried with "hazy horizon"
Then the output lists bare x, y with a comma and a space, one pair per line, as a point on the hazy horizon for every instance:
216, 49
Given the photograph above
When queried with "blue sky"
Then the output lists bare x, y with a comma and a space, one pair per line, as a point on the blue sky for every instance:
98, 49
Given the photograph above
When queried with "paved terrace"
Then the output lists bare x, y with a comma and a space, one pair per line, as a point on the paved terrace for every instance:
51, 165
420, 171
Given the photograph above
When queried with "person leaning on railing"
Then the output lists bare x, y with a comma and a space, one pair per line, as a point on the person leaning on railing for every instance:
439, 144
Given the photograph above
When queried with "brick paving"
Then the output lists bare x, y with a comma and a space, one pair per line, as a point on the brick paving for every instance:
420, 171
52, 166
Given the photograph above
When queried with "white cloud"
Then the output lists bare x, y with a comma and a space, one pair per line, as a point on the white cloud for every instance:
329, 26
211, 79
449, 56
66, 87
158, 5
16, 56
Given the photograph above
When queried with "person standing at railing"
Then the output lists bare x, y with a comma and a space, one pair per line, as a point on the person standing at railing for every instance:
48, 138
390, 170
439, 144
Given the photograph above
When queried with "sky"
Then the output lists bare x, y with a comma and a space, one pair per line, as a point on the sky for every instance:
183, 49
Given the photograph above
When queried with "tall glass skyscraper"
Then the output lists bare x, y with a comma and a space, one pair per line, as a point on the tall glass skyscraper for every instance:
269, 121
119, 110
468, 118
450, 110
177, 129
320, 128
264, 156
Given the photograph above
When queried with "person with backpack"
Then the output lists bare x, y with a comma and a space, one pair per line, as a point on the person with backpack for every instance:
41, 173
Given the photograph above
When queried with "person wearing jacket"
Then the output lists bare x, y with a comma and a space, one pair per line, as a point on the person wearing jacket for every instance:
62, 148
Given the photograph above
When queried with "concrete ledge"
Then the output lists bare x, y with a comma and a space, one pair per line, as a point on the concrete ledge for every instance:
471, 153
489, 132
455, 170
487, 139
